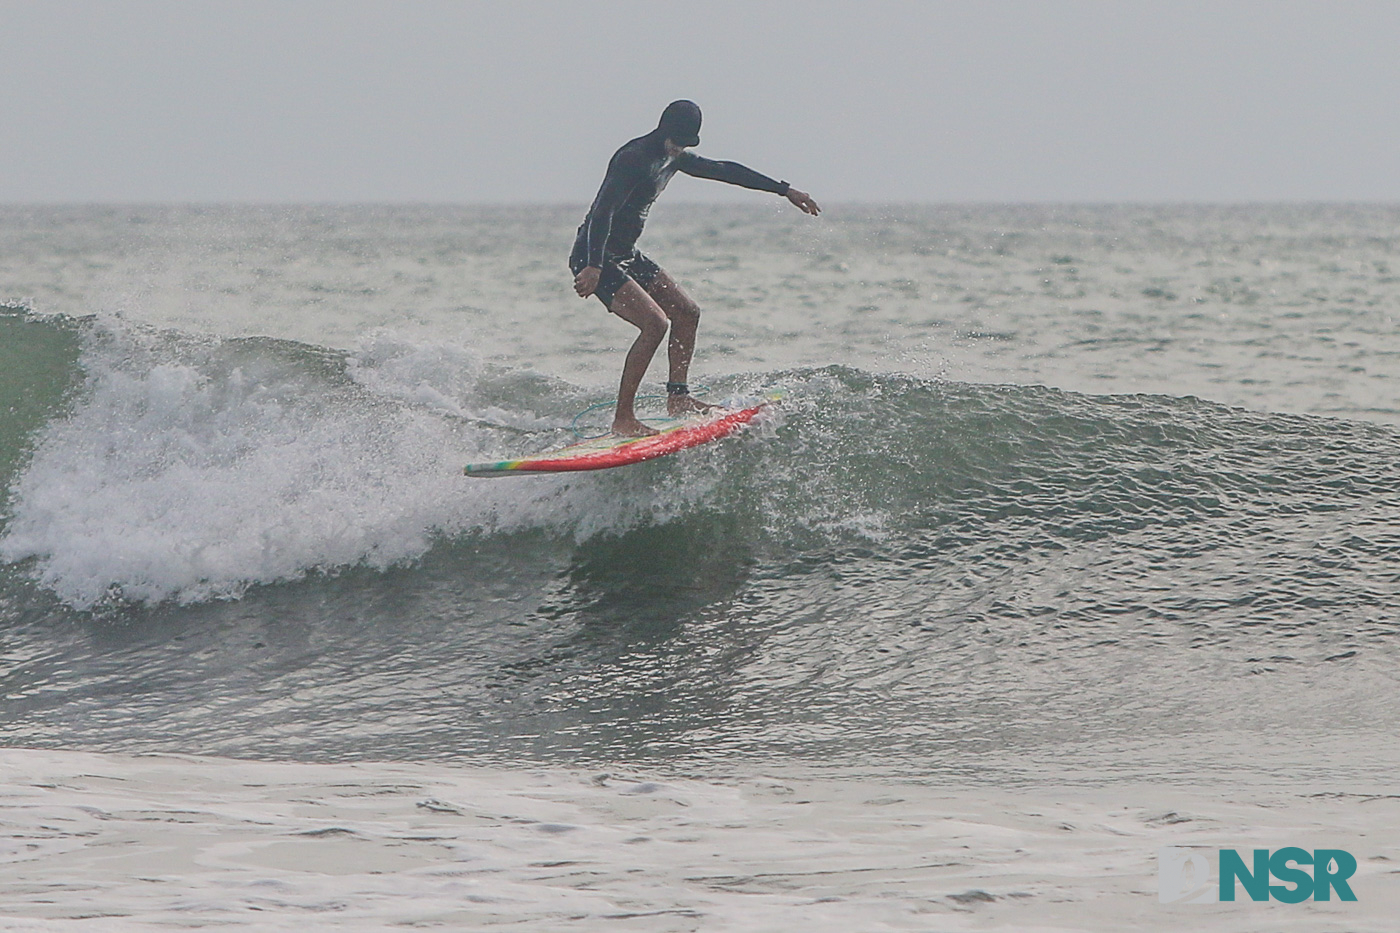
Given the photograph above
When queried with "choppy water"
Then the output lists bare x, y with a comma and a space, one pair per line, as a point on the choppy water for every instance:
1097, 492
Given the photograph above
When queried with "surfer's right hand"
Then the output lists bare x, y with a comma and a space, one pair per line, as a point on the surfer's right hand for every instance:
586, 282
803, 201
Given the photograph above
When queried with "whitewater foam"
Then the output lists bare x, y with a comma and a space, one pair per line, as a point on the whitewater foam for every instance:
191, 468
372, 846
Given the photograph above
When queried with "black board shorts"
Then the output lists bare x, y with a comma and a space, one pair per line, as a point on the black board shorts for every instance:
616, 270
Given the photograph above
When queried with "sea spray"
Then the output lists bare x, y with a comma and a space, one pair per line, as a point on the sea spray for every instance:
193, 467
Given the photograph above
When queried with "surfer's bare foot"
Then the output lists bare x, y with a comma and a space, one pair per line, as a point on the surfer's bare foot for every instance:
681, 404
631, 427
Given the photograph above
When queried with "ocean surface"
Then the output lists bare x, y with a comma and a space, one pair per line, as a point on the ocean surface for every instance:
1094, 498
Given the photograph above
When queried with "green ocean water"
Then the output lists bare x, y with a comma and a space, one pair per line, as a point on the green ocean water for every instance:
1092, 491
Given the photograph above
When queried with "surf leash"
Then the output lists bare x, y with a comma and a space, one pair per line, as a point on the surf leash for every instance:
573, 425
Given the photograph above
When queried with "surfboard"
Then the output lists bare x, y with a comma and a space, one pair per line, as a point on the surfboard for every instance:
612, 450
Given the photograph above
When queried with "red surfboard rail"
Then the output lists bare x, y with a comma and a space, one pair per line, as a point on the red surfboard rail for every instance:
635, 450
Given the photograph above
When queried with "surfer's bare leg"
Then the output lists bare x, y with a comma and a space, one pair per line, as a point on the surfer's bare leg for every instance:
684, 315
636, 307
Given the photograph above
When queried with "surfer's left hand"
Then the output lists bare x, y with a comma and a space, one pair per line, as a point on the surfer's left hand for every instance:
803, 200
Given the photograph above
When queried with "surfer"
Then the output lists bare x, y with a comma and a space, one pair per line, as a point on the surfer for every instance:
606, 262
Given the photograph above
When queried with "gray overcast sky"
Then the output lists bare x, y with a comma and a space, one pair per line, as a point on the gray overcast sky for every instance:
856, 101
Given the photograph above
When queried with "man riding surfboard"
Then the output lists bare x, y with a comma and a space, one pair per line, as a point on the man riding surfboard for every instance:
606, 262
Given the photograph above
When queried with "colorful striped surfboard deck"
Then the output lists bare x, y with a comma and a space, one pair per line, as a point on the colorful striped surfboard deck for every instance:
610, 450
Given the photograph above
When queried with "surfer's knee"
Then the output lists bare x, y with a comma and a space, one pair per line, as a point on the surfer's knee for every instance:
653, 326
682, 309
638, 309
672, 298
686, 310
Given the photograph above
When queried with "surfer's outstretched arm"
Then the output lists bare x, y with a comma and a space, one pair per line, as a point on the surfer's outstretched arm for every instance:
733, 173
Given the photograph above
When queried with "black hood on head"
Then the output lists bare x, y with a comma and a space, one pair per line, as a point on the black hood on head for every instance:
680, 123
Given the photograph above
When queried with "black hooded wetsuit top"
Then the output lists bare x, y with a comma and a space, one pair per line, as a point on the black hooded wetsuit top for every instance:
638, 173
